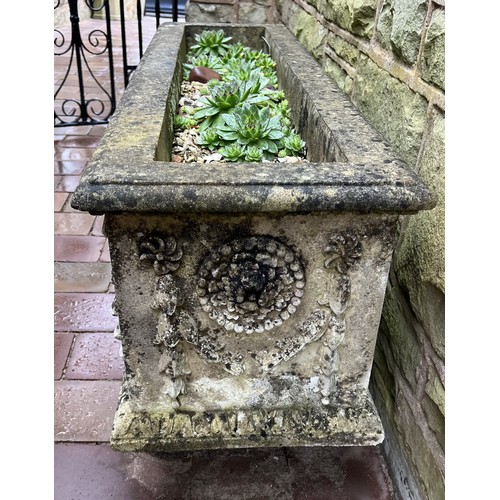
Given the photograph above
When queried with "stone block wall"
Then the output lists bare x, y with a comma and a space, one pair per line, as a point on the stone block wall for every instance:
388, 57
231, 11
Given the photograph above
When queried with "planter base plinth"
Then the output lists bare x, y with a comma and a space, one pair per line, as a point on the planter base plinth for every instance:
157, 430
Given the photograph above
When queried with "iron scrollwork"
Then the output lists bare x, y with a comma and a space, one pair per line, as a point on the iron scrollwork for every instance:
84, 110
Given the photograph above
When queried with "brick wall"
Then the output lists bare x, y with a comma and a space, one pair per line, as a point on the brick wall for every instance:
388, 57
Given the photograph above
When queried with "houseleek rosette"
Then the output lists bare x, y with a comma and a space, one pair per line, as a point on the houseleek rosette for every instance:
252, 127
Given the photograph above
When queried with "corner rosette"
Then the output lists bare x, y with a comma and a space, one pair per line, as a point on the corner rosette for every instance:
342, 252
163, 253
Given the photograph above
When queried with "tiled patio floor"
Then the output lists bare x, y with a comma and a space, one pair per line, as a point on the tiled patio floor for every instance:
87, 373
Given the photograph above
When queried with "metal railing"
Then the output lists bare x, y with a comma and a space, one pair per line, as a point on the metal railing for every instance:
82, 95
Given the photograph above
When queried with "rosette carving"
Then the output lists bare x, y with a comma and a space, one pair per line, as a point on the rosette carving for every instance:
251, 284
164, 253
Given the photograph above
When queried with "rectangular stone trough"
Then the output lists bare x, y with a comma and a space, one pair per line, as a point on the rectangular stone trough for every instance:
248, 295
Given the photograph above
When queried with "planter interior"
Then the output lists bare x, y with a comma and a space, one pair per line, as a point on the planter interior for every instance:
248, 295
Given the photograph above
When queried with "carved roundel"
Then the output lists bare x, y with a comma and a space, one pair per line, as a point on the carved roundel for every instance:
251, 284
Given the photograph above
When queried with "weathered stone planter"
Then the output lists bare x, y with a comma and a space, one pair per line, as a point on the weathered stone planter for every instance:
248, 295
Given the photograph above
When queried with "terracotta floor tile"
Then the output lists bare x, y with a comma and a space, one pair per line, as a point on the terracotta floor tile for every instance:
84, 410
74, 154
105, 257
73, 129
78, 248
350, 472
92, 277
68, 183
59, 200
69, 209
97, 472
83, 312
73, 223
97, 227
95, 356
98, 130
66, 167
241, 474
62, 346
80, 141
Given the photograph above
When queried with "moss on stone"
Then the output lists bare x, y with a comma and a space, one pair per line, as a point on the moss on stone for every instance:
416, 447
392, 107
400, 27
420, 258
435, 390
433, 69
338, 75
343, 49
356, 16
402, 337
310, 33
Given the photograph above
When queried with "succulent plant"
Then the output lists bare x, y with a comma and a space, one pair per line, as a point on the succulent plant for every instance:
184, 122
253, 153
209, 139
205, 60
294, 144
250, 125
210, 42
232, 152
224, 97
244, 114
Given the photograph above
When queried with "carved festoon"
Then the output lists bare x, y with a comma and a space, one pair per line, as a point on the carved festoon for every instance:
249, 285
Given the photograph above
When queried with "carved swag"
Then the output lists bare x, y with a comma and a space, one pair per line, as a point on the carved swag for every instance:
247, 286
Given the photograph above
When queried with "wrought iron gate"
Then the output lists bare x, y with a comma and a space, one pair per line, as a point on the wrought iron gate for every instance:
83, 96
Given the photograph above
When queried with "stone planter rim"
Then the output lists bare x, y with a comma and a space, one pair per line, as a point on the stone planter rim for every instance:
125, 176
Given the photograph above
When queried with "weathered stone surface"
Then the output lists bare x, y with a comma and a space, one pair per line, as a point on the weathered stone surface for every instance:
310, 33
433, 69
392, 107
420, 259
209, 13
357, 16
338, 75
429, 473
435, 389
261, 360
435, 419
254, 12
348, 158
343, 49
400, 27
403, 340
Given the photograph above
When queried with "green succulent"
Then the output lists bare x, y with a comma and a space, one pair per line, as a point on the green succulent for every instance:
250, 125
210, 42
209, 139
244, 114
232, 152
224, 97
293, 145
253, 153
184, 122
